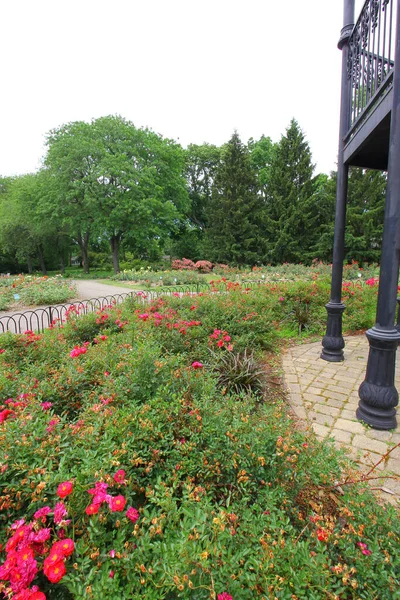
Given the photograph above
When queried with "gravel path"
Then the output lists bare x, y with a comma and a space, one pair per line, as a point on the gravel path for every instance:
88, 288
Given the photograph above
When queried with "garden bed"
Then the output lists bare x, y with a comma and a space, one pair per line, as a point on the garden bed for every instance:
146, 455
26, 291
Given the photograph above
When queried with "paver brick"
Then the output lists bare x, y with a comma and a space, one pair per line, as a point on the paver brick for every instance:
327, 410
313, 398
328, 393
335, 403
393, 465
326, 420
320, 430
351, 426
383, 436
314, 390
348, 414
291, 378
362, 441
341, 436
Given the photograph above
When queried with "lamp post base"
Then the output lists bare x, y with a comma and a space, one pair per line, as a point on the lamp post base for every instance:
378, 395
333, 342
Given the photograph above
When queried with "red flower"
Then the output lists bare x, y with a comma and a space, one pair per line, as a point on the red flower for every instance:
66, 546
119, 476
64, 489
322, 535
54, 557
55, 572
132, 514
4, 414
92, 509
197, 365
117, 503
224, 596
37, 596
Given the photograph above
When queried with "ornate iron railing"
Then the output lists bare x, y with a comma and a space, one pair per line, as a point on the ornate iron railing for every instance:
371, 55
42, 318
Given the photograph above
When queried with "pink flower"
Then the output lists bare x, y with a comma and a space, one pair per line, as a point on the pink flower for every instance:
99, 492
364, 548
111, 574
224, 596
112, 553
119, 476
41, 536
281, 299
52, 424
46, 405
197, 365
132, 514
59, 512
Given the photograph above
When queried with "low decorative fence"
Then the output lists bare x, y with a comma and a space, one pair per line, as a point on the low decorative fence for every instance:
42, 318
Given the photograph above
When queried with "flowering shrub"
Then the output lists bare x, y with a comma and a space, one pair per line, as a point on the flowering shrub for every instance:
27, 290
136, 475
183, 265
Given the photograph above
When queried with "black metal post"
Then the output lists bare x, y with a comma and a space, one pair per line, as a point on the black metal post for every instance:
333, 343
378, 395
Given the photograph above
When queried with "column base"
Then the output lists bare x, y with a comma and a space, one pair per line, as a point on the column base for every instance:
333, 342
378, 394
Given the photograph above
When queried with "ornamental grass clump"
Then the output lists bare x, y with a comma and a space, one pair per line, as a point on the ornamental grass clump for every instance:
239, 372
133, 474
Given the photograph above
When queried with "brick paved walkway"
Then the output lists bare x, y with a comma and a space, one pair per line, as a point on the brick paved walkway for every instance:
324, 396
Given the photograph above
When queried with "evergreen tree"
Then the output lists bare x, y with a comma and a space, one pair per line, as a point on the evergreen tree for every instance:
234, 233
365, 212
290, 208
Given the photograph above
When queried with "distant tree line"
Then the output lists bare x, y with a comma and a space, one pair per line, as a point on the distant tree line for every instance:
109, 189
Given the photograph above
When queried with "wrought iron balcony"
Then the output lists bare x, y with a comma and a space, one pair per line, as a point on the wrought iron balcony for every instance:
370, 71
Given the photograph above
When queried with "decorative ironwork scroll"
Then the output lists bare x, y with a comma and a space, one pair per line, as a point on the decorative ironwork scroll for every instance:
371, 53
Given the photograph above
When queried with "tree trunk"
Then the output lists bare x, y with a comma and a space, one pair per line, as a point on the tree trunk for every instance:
29, 263
114, 250
83, 243
41, 259
62, 264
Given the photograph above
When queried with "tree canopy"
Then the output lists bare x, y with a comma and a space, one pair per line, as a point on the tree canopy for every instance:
107, 187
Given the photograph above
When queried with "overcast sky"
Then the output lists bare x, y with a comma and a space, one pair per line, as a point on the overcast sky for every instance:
191, 70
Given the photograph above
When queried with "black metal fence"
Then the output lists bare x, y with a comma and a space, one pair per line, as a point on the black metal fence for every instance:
42, 318
371, 54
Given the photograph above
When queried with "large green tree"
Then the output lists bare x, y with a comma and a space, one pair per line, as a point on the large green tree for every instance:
365, 213
24, 232
201, 163
117, 182
262, 153
290, 198
234, 216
